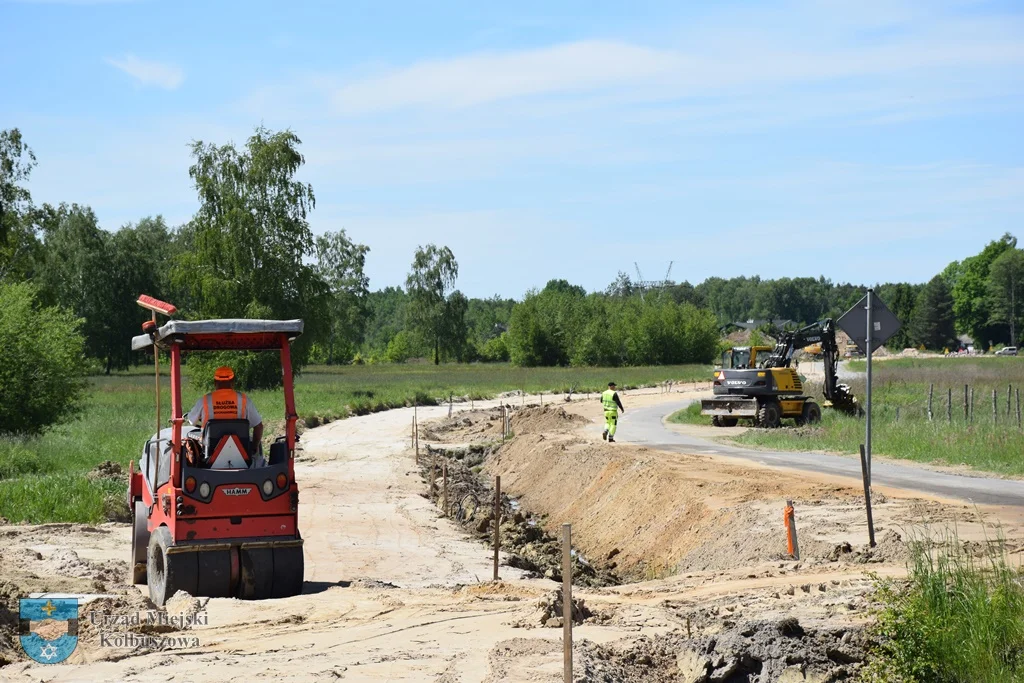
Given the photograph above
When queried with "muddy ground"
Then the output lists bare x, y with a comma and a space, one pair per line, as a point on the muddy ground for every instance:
691, 581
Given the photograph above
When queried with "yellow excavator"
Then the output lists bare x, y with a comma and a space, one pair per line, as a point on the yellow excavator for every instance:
767, 390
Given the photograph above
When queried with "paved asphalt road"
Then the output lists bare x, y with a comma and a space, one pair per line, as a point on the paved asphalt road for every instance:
644, 426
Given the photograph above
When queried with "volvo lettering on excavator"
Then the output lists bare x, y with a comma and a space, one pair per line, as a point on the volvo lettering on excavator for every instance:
768, 391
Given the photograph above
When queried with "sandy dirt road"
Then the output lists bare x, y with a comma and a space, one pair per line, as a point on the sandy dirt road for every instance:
394, 592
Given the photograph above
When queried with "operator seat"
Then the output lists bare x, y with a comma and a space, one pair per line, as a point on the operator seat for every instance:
226, 444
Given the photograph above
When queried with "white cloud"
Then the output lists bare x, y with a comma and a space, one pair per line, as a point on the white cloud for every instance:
166, 76
738, 62
489, 77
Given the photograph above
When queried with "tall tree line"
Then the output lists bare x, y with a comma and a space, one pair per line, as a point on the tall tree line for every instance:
249, 251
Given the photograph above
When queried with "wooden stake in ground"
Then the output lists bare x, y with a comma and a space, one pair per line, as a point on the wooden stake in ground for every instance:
1018, 407
995, 407
931, 390
965, 403
972, 405
867, 496
1009, 392
444, 478
789, 517
949, 406
567, 602
433, 475
497, 522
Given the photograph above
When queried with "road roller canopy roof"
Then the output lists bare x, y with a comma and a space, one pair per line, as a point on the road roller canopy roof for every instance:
221, 335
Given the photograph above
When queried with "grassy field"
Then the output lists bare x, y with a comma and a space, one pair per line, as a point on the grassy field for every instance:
900, 424
43, 479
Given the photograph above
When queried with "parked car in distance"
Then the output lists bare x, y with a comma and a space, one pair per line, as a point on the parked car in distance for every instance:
1007, 351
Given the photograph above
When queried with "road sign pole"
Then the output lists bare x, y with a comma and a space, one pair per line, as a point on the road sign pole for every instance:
867, 408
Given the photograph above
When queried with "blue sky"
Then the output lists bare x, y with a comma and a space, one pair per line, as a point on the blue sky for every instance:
865, 141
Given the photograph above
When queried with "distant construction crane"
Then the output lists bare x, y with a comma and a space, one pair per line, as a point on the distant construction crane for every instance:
652, 285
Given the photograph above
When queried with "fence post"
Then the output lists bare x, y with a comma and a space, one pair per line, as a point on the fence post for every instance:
444, 476
1018, 407
1009, 391
567, 603
931, 389
450, 404
965, 403
949, 406
995, 409
497, 522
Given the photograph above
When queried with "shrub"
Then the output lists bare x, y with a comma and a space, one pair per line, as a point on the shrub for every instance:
42, 365
958, 619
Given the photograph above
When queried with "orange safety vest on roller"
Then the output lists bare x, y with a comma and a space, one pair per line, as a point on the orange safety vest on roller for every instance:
224, 404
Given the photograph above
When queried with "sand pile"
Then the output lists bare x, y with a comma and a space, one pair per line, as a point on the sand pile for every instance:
544, 419
654, 513
467, 427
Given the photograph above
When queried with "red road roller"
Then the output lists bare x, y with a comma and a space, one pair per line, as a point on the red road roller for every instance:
207, 518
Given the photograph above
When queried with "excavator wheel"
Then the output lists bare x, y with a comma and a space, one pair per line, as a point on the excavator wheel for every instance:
769, 415
288, 570
719, 421
256, 573
811, 414
167, 573
140, 541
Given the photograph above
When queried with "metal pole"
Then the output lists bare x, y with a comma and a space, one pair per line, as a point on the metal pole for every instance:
867, 497
497, 522
867, 422
156, 368
567, 602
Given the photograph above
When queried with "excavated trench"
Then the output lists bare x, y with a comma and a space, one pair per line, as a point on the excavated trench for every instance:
615, 497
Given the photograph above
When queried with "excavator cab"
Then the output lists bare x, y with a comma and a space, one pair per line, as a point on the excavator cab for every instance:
207, 518
745, 357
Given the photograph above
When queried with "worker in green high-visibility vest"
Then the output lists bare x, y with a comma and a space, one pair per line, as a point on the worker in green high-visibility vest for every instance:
612, 405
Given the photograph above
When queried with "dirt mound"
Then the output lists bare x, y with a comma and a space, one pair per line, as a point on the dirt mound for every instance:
106, 470
466, 427
544, 419
754, 652
655, 513
485, 425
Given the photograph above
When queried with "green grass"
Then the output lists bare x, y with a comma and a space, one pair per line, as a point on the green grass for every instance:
690, 415
984, 442
957, 619
42, 479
